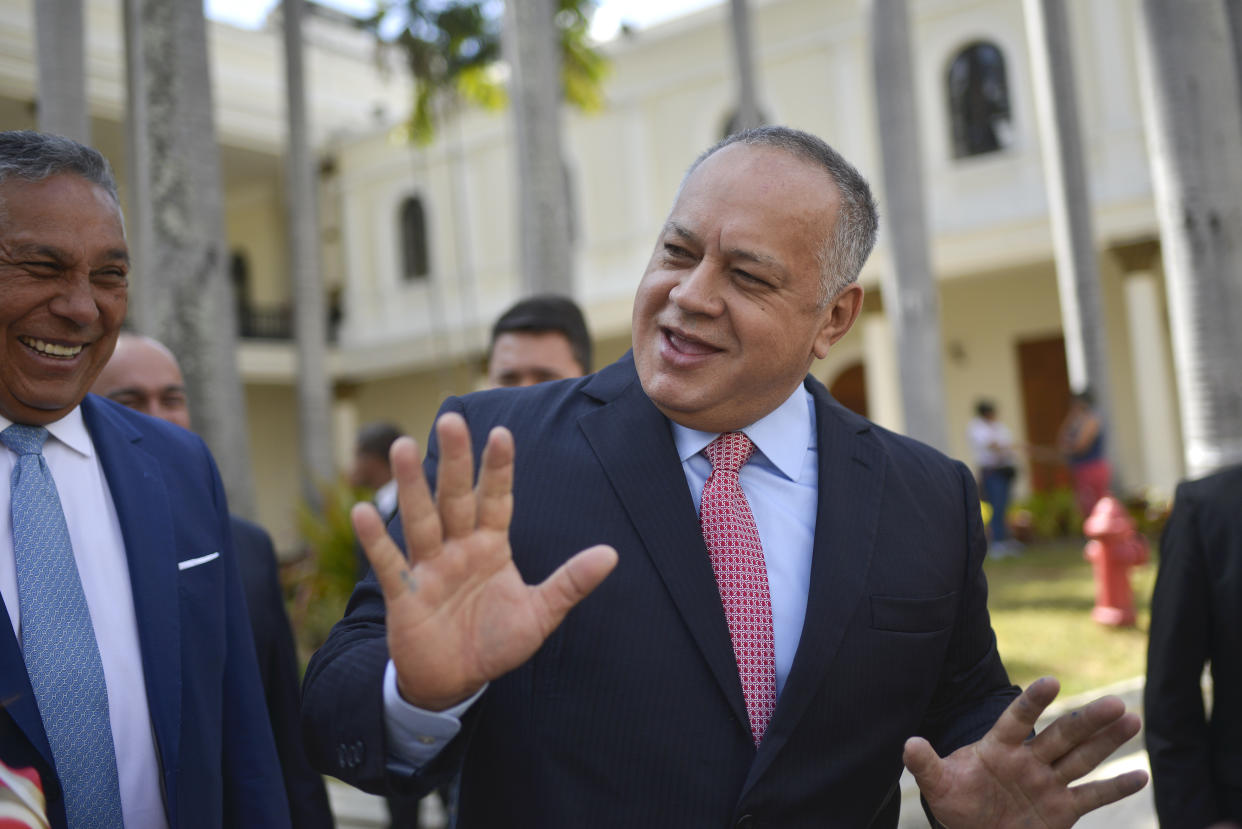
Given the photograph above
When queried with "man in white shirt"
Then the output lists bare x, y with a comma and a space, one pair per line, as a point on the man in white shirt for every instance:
769, 659
992, 448
153, 586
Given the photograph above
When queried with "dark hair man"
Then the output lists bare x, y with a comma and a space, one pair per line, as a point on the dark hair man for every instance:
143, 374
540, 338
127, 669
768, 660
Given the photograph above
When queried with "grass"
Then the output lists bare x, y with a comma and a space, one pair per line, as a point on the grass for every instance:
1041, 603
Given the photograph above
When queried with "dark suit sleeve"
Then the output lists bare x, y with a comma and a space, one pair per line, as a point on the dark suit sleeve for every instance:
278, 668
342, 693
1177, 731
973, 689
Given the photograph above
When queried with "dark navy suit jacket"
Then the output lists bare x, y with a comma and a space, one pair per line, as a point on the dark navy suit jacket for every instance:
278, 671
1196, 619
631, 714
217, 761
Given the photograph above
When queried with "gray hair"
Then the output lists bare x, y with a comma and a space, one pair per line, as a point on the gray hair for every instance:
844, 251
35, 156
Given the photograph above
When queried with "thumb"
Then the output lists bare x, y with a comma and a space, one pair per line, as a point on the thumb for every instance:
923, 762
573, 580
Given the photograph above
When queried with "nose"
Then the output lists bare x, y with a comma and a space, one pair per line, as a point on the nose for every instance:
698, 291
75, 299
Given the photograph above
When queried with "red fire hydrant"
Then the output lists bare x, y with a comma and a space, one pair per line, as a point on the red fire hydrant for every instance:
1114, 547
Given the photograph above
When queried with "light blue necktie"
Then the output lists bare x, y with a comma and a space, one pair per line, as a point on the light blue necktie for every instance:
58, 640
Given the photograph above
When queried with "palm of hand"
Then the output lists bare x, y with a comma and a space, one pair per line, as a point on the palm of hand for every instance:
1010, 779
458, 611
995, 785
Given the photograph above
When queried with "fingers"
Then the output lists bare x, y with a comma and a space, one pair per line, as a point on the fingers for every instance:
420, 522
455, 476
573, 581
1015, 725
1099, 793
923, 762
495, 487
384, 555
1089, 737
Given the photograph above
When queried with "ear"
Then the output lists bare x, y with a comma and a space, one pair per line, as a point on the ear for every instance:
838, 318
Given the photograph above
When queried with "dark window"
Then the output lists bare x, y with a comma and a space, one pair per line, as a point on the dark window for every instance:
979, 100
413, 239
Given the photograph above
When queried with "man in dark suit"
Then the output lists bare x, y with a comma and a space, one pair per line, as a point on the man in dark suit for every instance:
144, 375
1196, 618
133, 527
767, 662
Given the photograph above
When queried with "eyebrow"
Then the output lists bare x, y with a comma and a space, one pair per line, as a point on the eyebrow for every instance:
744, 254
60, 257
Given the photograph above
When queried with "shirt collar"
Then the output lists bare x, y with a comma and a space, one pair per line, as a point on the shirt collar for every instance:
69, 430
784, 435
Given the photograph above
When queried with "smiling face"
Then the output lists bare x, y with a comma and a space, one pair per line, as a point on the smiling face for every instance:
727, 318
63, 278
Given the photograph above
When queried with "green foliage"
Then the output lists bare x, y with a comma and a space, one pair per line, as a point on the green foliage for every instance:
453, 47
1047, 515
320, 583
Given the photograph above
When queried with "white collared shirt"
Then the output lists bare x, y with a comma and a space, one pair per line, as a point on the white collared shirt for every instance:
99, 550
781, 482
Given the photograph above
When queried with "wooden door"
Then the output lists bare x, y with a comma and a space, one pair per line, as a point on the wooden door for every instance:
1045, 400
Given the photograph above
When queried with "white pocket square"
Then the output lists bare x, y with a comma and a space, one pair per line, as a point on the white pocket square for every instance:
194, 562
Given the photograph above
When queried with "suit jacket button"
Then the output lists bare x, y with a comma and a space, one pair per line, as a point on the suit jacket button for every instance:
342, 759
745, 822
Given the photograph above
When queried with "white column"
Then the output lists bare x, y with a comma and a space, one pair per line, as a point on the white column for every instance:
1154, 391
880, 359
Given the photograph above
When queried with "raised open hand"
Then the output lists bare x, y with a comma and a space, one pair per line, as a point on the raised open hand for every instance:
1010, 779
458, 612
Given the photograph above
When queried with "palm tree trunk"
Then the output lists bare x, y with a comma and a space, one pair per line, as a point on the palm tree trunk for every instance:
1083, 320
310, 317
1190, 87
910, 291
180, 289
60, 51
534, 60
744, 63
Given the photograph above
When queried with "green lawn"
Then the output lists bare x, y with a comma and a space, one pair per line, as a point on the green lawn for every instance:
1041, 610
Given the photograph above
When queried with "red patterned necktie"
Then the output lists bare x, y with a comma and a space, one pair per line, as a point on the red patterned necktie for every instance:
737, 559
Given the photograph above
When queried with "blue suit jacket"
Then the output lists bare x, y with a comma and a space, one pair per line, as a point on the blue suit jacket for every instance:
214, 745
631, 714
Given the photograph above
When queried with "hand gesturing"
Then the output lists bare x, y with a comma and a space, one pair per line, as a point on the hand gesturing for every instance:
1010, 779
458, 612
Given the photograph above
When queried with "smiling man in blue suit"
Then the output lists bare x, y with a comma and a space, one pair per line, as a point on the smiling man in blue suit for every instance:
127, 671
776, 602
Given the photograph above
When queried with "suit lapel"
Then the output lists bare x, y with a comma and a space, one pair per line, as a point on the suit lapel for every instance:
142, 508
634, 445
851, 477
16, 696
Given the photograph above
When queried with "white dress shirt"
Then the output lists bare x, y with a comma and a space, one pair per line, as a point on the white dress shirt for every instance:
781, 482
99, 550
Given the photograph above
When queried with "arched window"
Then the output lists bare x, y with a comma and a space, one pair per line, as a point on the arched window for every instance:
414, 258
979, 100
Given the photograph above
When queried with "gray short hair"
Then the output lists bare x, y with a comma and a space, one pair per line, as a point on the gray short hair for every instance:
35, 156
843, 251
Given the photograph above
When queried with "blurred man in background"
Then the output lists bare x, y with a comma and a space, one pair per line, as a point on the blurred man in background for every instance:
538, 339
144, 375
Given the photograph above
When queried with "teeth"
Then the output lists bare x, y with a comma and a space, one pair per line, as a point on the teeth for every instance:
52, 348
